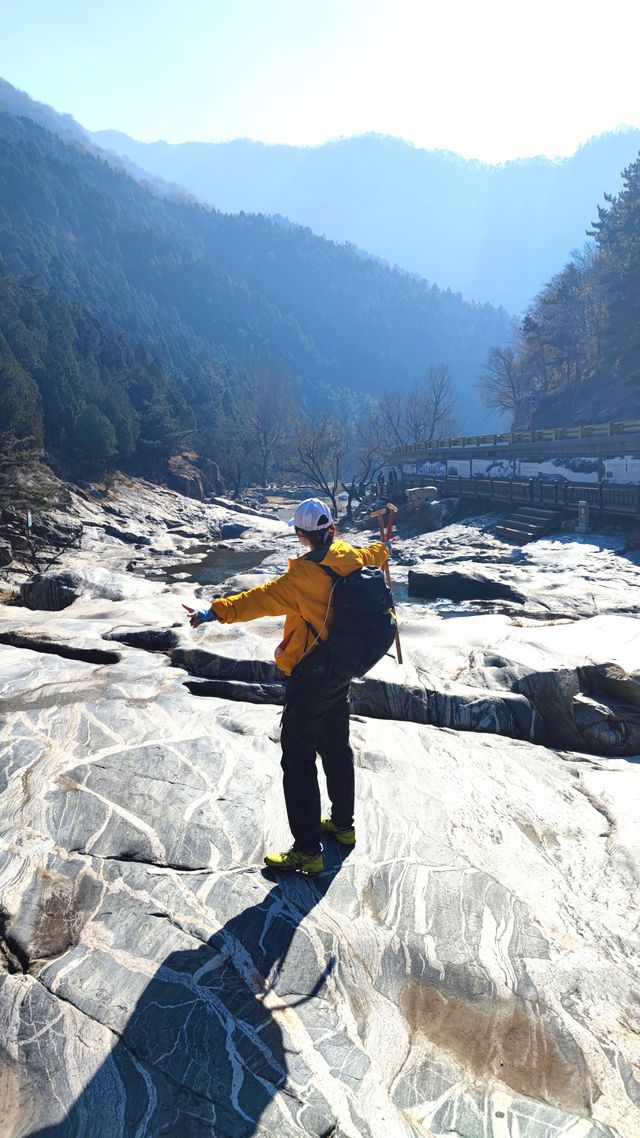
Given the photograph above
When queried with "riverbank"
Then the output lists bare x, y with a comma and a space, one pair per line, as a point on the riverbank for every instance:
471, 967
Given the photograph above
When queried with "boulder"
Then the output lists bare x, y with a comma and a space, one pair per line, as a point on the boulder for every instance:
51, 592
592, 707
459, 585
195, 476
237, 507
184, 477
425, 514
443, 511
213, 482
59, 588
232, 529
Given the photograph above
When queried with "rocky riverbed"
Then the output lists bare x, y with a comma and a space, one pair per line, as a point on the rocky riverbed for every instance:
470, 969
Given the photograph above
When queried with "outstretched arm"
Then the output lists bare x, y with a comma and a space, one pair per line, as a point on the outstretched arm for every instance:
377, 554
199, 616
276, 598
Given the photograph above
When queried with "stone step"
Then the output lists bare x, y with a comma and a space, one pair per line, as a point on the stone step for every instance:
536, 522
527, 524
538, 514
519, 536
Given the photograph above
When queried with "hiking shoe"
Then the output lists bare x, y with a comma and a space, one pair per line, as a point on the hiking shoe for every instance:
344, 834
295, 861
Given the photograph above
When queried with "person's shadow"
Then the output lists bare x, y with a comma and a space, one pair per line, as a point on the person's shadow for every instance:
202, 1054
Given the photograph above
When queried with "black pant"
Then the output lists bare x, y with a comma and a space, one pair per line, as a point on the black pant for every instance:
315, 720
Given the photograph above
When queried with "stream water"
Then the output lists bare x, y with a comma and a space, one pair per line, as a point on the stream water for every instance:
220, 564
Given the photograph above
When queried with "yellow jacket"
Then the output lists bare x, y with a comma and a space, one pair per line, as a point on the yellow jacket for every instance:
300, 595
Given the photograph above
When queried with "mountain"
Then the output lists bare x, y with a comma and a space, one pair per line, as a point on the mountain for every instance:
210, 296
494, 233
578, 354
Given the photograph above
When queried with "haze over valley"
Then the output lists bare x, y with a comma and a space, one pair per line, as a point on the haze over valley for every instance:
493, 233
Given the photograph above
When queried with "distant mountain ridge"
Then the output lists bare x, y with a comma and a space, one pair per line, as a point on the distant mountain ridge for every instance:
494, 233
131, 318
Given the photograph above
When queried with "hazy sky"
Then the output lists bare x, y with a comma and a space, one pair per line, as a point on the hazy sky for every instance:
490, 79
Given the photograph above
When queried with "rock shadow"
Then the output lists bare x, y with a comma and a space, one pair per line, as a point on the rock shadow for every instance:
202, 1053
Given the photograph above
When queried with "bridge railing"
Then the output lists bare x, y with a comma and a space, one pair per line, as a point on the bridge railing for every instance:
542, 434
553, 493
621, 499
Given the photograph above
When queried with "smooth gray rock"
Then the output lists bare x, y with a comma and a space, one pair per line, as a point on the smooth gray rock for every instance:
594, 708
127, 536
470, 967
170, 986
510, 715
460, 586
232, 529
52, 592
36, 642
59, 588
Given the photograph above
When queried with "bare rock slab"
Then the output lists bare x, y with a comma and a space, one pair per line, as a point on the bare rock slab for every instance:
471, 964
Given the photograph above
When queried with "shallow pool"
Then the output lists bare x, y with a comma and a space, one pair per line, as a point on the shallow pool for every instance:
443, 606
216, 566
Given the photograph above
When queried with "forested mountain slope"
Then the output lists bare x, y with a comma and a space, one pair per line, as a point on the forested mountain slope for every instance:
576, 358
92, 399
210, 295
496, 233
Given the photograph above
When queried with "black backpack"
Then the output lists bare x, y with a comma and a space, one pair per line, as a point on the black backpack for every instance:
364, 619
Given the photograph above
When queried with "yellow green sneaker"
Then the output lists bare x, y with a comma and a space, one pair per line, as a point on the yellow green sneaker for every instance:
344, 834
295, 861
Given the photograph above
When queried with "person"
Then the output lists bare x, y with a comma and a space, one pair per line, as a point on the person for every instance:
315, 719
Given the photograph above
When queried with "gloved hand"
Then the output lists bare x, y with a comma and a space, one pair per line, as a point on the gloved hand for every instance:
199, 616
389, 546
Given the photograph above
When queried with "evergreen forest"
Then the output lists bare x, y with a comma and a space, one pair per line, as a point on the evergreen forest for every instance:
576, 356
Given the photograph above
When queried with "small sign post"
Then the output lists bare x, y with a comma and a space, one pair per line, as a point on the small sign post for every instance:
582, 525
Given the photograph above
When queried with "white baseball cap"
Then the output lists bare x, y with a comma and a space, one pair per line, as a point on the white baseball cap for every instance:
310, 515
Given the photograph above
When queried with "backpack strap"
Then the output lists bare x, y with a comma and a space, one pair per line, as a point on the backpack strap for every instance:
317, 556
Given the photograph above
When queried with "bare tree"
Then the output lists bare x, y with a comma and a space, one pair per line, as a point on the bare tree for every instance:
27, 493
369, 449
40, 542
269, 402
419, 415
501, 385
430, 406
318, 452
388, 420
231, 443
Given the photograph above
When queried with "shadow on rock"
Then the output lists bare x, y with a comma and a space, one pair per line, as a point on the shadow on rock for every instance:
204, 1051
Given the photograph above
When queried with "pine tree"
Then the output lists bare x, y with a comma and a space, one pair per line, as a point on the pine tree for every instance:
617, 233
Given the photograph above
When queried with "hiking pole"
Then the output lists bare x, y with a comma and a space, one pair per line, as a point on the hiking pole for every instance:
379, 514
392, 517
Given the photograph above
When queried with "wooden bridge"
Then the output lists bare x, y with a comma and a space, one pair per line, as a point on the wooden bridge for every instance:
602, 498
598, 441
